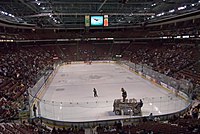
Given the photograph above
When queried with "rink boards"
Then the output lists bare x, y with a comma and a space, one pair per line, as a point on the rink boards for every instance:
69, 95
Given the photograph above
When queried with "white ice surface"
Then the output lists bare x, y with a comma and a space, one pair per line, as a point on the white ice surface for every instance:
69, 96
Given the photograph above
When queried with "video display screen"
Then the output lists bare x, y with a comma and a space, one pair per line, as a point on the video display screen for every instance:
97, 20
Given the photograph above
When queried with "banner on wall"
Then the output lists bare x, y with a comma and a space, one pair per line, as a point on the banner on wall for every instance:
148, 77
87, 20
163, 84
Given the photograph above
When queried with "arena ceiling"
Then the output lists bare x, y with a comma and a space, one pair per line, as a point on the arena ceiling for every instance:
71, 13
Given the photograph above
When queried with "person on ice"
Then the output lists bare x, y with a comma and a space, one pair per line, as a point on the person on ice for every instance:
124, 94
34, 110
95, 92
140, 103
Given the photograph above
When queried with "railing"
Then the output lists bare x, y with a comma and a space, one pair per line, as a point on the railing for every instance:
166, 81
165, 107
38, 89
64, 111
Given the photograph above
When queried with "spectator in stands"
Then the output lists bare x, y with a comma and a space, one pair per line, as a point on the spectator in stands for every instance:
195, 113
156, 119
187, 115
54, 131
19, 70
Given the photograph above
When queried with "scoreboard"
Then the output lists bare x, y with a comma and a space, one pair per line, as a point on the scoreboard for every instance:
96, 20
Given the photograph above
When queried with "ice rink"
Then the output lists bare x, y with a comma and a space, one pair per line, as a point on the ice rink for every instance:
69, 96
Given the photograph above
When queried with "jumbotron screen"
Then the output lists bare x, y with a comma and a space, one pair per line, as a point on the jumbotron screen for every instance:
96, 20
